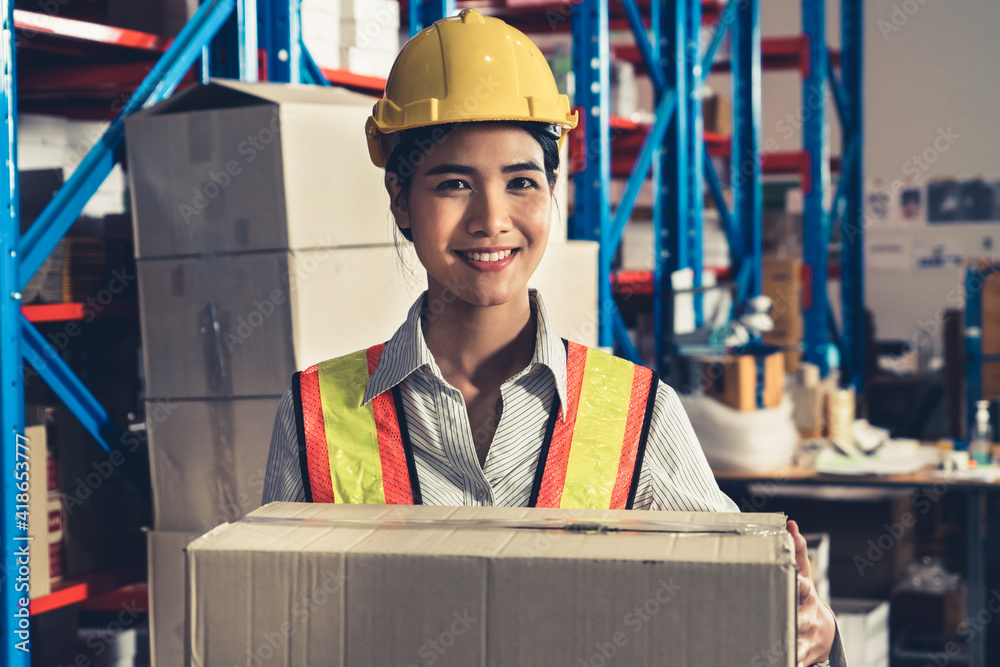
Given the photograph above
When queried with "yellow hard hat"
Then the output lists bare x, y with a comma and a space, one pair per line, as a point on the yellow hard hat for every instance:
466, 68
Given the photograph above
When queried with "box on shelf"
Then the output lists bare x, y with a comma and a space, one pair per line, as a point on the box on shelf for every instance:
241, 325
233, 167
808, 410
45, 514
567, 280
781, 281
159, 17
717, 114
732, 380
166, 595
207, 460
864, 630
469, 579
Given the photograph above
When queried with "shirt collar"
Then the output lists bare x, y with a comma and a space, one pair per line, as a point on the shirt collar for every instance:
408, 351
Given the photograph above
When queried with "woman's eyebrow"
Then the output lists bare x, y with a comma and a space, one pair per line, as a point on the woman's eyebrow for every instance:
521, 166
448, 168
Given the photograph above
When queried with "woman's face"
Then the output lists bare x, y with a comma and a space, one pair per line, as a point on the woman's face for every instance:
479, 208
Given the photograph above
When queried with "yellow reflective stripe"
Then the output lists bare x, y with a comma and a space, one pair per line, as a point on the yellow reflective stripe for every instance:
351, 438
600, 430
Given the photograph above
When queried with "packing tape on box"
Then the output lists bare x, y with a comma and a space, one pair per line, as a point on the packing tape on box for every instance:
568, 525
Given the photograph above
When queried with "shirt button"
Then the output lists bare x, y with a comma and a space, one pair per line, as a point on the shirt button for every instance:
480, 495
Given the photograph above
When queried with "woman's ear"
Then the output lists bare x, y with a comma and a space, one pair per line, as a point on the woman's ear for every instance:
397, 200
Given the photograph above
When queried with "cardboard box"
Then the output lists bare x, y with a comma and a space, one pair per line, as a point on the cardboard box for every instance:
732, 380
808, 410
864, 630
236, 167
240, 325
717, 114
166, 595
371, 585
781, 281
567, 280
207, 460
45, 515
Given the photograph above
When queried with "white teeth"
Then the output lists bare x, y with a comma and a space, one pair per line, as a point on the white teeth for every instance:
488, 256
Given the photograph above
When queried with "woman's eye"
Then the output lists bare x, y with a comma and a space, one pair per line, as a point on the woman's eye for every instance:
522, 184
453, 184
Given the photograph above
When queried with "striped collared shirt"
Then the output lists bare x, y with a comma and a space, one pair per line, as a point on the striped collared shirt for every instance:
674, 474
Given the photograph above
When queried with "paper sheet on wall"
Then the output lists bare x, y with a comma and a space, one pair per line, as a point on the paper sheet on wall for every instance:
894, 255
937, 256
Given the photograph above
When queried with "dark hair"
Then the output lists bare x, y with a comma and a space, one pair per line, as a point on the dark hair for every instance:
415, 145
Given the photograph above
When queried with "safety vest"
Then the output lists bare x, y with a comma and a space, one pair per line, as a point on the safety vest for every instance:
356, 453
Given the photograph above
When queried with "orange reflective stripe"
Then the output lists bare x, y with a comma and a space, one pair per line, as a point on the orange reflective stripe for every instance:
554, 477
395, 472
318, 457
633, 432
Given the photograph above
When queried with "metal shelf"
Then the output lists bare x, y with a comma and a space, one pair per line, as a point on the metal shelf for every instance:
66, 312
72, 63
88, 587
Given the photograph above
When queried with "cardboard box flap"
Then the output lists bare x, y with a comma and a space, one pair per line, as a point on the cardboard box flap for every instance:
505, 532
227, 94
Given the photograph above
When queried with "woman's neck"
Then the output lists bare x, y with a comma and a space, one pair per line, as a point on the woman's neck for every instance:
480, 346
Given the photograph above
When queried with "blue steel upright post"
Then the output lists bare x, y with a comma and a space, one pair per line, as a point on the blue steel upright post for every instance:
815, 222
279, 36
11, 366
852, 223
672, 247
592, 213
746, 168
422, 13
695, 152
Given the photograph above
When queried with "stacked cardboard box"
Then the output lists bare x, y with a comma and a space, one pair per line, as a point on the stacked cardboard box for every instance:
781, 281
733, 380
265, 245
357, 35
369, 585
45, 513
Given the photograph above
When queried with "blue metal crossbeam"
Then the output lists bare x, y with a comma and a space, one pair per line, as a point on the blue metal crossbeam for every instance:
640, 170
649, 57
66, 206
723, 23
309, 71
734, 235
59, 376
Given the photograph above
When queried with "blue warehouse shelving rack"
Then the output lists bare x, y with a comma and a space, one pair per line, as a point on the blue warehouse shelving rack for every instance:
260, 39
246, 39
676, 153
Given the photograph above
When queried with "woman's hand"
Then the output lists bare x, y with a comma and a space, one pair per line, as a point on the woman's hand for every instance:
817, 626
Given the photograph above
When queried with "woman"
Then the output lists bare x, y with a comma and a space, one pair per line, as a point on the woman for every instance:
476, 400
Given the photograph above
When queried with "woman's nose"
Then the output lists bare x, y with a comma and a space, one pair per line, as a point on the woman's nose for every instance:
490, 215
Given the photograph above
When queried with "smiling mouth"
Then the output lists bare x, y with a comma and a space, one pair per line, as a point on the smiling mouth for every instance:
486, 256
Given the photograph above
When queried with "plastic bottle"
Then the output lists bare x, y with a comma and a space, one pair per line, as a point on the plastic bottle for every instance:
982, 435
